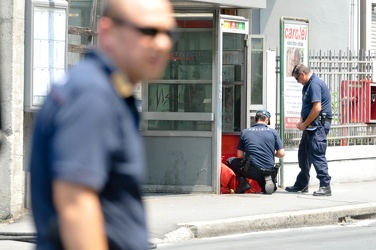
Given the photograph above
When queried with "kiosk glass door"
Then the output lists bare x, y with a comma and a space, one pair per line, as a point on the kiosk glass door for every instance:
233, 85
187, 84
178, 113
233, 68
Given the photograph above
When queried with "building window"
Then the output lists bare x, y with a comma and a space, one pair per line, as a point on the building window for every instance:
257, 55
187, 82
373, 27
82, 14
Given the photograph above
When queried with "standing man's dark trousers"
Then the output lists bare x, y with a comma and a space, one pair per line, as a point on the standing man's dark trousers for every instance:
312, 150
253, 173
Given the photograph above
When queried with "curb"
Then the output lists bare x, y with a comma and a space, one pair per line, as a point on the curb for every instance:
247, 224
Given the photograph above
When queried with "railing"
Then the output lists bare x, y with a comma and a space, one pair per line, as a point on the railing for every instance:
347, 74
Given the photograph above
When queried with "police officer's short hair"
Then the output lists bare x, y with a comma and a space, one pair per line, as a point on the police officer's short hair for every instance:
261, 115
299, 68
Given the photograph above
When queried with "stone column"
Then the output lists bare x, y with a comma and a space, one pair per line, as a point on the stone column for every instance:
12, 174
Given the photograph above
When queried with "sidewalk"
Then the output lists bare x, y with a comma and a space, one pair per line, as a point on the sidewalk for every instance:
183, 216
207, 215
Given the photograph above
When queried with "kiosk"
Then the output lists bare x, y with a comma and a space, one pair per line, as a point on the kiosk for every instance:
202, 103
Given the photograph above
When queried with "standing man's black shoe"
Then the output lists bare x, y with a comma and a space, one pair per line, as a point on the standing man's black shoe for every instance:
243, 185
296, 189
323, 191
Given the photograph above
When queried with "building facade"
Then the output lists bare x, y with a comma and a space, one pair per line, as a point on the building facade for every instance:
216, 79
334, 25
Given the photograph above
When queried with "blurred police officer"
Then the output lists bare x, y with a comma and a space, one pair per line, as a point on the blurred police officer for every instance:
88, 155
257, 147
315, 122
1, 127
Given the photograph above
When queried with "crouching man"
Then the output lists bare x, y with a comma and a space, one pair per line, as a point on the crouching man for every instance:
257, 147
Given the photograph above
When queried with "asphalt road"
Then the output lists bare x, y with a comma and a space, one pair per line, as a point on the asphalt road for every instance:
16, 245
355, 235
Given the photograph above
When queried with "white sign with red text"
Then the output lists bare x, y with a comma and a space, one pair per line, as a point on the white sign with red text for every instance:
295, 36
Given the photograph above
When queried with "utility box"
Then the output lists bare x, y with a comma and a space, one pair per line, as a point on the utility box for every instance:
229, 146
370, 102
353, 101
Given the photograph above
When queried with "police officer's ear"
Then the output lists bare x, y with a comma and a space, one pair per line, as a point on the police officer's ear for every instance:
268, 120
105, 27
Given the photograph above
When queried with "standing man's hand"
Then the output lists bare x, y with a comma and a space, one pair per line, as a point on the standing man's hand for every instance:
301, 126
315, 111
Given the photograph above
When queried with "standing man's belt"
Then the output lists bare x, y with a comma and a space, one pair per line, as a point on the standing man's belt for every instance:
321, 119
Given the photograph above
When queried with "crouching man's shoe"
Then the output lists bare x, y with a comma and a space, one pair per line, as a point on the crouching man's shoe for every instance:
269, 185
323, 191
296, 189
243, 185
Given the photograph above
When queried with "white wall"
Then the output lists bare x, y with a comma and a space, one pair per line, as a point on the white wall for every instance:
346, 164
329, 21
12, 175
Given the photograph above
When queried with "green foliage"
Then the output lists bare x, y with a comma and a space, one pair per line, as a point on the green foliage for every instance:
335, 106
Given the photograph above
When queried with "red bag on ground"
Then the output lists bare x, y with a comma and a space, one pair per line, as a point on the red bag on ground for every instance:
229, 182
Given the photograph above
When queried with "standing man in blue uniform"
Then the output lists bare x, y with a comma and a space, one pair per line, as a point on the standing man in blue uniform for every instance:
316, 116
257, 147
88, 157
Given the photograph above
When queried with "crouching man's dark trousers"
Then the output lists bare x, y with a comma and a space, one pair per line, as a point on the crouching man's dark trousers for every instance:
253, 173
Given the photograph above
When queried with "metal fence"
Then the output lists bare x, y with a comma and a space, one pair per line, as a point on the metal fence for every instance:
349, 77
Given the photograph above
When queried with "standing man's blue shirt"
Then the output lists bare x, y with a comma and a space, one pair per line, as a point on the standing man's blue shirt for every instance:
316, 91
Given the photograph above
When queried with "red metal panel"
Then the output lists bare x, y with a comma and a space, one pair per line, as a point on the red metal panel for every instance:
353, 100
195, 23
229, 146
371, 103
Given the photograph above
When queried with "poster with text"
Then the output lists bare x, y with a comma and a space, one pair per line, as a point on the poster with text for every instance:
295, 40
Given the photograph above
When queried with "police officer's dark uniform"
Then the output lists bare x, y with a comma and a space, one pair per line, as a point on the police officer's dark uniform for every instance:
259, 144
312, 147
87, 133
1, 131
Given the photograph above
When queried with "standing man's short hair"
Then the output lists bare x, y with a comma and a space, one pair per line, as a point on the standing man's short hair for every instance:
299, 68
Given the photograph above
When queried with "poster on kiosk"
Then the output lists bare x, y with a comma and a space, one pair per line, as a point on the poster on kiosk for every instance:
294, 50
294, 41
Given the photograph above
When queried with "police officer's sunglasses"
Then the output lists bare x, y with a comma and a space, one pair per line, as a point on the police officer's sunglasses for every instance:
147, 31
297, 77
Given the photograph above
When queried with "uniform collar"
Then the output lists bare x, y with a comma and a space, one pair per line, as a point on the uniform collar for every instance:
310, 79
119, 80
259, 124
121, 84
